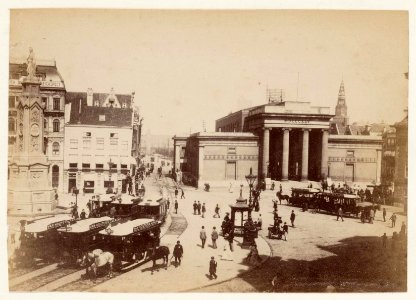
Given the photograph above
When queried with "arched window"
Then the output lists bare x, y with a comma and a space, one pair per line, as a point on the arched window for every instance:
45, 123
56, 125
12, 125
55, 148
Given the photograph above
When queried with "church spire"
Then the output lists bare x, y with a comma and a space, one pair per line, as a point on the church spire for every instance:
341, 93
341, 115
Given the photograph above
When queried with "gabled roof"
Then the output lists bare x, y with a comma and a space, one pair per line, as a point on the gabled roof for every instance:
83, 114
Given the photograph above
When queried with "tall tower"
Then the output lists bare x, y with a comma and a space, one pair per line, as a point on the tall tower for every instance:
341, 116
29, 187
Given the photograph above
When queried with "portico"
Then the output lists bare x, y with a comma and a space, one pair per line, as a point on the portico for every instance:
293, 140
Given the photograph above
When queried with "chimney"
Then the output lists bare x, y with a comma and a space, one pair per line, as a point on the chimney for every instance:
89, 96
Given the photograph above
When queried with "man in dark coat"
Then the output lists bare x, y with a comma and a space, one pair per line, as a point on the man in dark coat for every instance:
195, 207
292, 218
176, 206
231, 239
176, 192
199, 207
384, 214
178, 253
212, 268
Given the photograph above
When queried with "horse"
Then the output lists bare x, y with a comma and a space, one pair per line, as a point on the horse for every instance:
283, 197
158, 253
96, 260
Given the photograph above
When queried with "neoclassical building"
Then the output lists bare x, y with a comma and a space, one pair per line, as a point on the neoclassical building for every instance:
294, 140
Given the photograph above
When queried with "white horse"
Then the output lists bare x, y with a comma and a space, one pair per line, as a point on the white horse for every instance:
96, 259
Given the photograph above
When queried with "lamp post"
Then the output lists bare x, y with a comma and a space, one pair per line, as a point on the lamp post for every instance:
250, 180
76, 192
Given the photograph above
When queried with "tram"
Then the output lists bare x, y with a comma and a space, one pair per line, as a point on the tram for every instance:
156, 209
122, 206
330, 202
303, 196
80, 237
39, 239
131, 241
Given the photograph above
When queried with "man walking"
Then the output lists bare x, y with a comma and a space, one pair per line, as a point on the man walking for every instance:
292, 218
176, 206
214, 237
231, 239
176, 192
195, 207
177, 253
285, 230
259, 221
203, 236
384, 240
199, 208
203, 210
212, 268
384, 214
217, 211
182, 194
339, 214
393, 220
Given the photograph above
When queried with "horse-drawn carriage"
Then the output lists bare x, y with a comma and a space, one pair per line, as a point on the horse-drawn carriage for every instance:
39, 239
303, 197
331, 202
79, 238
365, 208
153, 209
122, 206
131, 241
275, 232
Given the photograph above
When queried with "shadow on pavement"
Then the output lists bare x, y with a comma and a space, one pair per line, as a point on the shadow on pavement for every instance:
358, 264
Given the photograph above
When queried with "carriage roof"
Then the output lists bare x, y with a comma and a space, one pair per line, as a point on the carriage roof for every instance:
305, 190
338, 195
151, 202
87, 225
125, 199
131, 227
45, 224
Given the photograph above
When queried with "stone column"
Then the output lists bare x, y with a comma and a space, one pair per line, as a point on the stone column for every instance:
378, 172
324, 161
305, 154
266, 147
285, 161
200, 166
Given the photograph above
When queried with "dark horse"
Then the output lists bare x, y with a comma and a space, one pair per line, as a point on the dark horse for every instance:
158, 253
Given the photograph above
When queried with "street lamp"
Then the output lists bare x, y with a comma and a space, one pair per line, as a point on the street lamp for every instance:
250, 180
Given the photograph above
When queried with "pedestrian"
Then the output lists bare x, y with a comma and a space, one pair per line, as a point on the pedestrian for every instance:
203, 210
272, 187
393, 220
339, 214
280, 189
214, 237
178, 253
168, 203
285, 230
199, 208
292, 218
231, 239
384, 240
371, 216
259, 221
203, 236
182, 194
217, 212
195, 207
212, 268
384, 214
176, 192
83, 215
176, 206
274, 205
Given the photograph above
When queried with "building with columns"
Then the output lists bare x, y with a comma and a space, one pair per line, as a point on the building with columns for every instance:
296, 141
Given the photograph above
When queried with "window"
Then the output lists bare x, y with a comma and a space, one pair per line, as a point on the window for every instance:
45, 124
113, 135
101, 118
108, 184
86, 144
99, 166
86, 166
87, 134
56, 104
123, 166
73, 165
56, 125
96, 103
100, 143
12, 125
73, 144
12, 101
182, 154
55, 148
44, 100
231, 150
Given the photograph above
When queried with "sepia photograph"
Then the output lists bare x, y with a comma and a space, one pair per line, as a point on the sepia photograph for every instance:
207, 150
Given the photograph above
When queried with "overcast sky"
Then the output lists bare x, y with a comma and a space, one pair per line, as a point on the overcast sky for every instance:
189, 66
